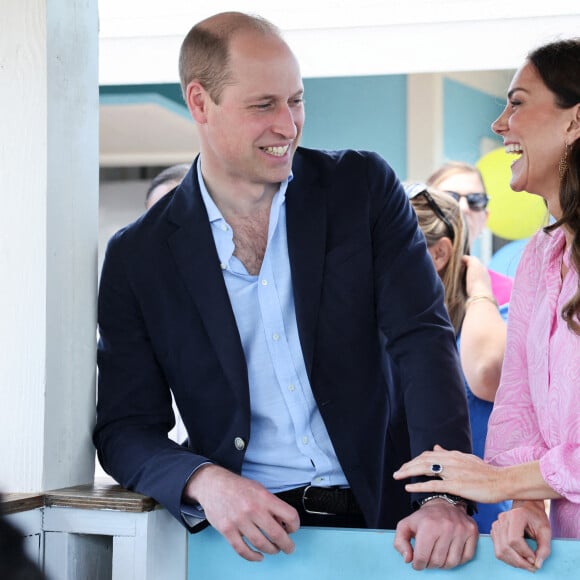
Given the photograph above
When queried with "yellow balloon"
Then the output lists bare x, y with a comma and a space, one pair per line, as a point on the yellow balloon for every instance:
513, 215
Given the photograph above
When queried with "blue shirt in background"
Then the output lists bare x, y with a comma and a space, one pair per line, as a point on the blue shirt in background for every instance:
479, 412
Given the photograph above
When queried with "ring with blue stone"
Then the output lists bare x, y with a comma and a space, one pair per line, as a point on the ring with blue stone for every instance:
436, 468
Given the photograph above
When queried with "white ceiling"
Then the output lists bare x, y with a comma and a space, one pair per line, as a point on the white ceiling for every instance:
140, 39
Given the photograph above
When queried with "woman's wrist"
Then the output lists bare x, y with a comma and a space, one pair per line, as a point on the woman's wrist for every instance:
524, 481
483, 298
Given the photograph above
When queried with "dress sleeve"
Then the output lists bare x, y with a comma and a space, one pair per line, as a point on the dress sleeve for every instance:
513, 432
532, 420
560, 468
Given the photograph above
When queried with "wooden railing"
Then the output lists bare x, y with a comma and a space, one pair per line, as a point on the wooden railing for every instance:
99, 532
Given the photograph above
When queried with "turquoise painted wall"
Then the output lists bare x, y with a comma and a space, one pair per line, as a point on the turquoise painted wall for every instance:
359, 113
370, 112
347, 554
467, 117
350, 112
170, 91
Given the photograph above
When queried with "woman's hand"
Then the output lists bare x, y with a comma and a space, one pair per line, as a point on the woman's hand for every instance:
525, 519
477, 280
461, 474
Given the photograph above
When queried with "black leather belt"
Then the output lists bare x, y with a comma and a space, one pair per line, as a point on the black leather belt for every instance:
325, 501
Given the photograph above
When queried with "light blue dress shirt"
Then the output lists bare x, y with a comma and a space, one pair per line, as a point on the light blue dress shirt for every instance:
289, 445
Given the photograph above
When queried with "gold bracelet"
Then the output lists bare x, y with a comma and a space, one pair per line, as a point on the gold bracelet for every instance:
478, 297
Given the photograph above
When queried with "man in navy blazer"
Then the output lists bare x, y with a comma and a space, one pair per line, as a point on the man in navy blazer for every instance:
262, 292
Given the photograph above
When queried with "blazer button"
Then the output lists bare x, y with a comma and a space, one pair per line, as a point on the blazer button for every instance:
239, 443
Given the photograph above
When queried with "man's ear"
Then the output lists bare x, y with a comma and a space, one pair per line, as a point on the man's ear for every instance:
441, 251
197, 98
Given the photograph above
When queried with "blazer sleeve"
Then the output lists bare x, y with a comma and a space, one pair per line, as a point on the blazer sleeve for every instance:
134, 412
412, 315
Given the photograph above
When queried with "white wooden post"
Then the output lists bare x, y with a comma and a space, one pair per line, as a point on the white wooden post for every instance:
119, 545
48, 241
424, 125
123, 534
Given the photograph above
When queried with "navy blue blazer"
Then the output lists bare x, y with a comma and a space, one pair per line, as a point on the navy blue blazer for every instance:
362, 278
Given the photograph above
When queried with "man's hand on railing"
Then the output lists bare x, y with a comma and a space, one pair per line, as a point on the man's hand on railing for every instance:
244, 512
445, 536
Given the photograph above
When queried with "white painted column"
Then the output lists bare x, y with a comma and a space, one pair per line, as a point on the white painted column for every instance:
424, 125
48, 241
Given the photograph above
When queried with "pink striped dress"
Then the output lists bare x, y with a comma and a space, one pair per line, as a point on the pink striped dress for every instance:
536, 414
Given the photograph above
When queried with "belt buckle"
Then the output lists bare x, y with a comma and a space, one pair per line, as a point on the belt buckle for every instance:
312, 512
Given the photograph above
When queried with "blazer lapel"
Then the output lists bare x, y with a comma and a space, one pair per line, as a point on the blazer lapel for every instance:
193, 249
306, 225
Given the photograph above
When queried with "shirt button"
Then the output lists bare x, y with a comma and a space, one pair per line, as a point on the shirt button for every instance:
264, 282
239, 444
291, 388
224, 228
223, 266
305, 440
275, 336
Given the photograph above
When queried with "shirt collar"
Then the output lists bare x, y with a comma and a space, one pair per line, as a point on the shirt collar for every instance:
213, 212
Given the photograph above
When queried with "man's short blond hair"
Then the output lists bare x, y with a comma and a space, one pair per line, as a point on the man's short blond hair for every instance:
204, 54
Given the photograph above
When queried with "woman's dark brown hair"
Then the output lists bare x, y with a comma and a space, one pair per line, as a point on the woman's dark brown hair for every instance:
558, 64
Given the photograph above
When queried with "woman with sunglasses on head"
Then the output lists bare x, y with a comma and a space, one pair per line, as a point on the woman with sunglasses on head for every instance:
533, 446
479, 325
465, 184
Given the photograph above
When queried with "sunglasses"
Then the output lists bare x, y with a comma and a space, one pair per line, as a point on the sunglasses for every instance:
415, 189
475, 201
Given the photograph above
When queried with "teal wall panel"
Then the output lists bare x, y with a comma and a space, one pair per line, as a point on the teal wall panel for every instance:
170, 91
467, 118
367, 112
341, 113
341, 554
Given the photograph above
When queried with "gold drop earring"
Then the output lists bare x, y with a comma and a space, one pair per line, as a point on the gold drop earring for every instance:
563, 164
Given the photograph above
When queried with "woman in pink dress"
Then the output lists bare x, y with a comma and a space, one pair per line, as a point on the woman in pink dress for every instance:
533, 445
